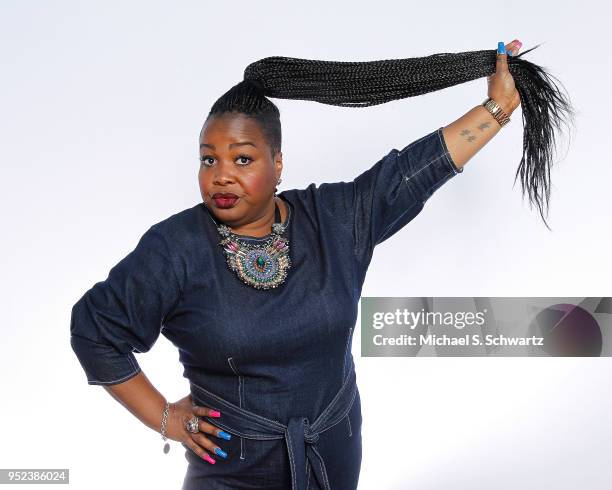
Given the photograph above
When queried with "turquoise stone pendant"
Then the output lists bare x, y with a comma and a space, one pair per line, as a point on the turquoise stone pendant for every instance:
262, 266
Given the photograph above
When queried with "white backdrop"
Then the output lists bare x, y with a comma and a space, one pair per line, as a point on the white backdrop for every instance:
100, 110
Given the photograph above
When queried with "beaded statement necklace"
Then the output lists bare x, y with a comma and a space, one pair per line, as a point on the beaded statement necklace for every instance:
263, 265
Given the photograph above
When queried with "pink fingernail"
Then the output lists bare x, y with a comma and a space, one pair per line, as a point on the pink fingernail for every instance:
209, 459
215, 413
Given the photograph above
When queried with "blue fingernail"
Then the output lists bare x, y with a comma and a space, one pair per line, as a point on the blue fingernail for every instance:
509, 53
225, 435
220, 452
501, 48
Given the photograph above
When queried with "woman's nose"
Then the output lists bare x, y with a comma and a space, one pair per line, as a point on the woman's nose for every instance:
224, 172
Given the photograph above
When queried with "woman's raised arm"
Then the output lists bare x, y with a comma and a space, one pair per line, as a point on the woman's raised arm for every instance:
468, 134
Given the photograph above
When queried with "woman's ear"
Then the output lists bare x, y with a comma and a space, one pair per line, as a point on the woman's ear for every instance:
278, 163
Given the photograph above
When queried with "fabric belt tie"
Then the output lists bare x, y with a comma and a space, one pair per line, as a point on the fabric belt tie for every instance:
300, 435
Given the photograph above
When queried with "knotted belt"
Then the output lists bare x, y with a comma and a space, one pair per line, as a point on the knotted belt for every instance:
300, 435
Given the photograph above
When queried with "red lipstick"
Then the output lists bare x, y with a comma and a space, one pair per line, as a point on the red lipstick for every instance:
225, 199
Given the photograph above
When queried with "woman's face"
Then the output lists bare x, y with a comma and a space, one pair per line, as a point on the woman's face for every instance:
235, 159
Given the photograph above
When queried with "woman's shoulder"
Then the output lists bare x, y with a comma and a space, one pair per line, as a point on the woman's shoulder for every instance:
327, 198
183, 226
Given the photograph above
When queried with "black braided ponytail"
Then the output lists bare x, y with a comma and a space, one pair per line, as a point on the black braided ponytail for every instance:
361, 84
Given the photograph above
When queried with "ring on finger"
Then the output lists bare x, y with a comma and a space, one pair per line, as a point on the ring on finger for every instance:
193, 425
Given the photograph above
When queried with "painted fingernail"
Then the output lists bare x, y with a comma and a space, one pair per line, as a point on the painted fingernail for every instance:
225, 435
209, 459
501, 48
215, 413
509, 52
220, 452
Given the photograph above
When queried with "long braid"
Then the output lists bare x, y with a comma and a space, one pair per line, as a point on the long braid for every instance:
367, 83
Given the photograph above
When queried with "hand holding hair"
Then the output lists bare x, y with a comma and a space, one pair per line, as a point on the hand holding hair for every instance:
501, 86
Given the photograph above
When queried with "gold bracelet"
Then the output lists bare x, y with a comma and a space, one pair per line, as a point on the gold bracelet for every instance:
496, 111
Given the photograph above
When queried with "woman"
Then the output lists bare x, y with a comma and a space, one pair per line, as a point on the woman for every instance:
264, 323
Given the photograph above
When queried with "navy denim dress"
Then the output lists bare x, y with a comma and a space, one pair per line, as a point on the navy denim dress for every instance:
276, 363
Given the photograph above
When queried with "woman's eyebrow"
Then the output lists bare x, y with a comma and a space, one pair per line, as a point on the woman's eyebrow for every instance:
231, 145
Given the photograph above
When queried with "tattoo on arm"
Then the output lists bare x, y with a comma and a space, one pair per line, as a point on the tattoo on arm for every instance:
466, 135
469, 136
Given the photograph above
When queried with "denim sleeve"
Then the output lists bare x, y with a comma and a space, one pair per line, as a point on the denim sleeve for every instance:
124, 313
391, 193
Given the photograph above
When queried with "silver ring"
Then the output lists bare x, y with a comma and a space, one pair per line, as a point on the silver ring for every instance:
192, 425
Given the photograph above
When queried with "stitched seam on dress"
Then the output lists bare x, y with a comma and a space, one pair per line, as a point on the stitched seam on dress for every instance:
344, 370
246, 435
453, 167
450, 164
323, 416
348, 338
356, 241
405, 180
240, 382
134, 373
251, 415
323, 472
289, 447
132, 360
240, 399
423, 168
341, 416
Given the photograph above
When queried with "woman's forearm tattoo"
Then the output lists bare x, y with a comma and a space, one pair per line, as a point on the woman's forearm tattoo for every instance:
469, 136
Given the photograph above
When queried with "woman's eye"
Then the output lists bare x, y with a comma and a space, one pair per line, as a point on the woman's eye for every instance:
240, 157
205, 158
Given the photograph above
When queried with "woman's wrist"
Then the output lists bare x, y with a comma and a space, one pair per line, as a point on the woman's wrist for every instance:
498, 110
506, 106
